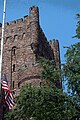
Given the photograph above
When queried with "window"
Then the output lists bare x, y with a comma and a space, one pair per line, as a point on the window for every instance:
13, 84
14, 50
23, 36
7, 39
18, 85
13, 67
15, 38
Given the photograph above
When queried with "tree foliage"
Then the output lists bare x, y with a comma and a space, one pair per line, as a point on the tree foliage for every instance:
71, 71
72, 68
78, 27
47, 102
50, 72
42, 103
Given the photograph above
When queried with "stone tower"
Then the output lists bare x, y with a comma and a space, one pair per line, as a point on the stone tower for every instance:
24, 44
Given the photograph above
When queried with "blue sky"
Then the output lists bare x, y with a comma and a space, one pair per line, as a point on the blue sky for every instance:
57, 18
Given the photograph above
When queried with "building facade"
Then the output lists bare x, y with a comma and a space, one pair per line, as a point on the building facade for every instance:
24, 44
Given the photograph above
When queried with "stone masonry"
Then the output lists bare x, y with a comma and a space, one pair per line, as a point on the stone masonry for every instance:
24, 44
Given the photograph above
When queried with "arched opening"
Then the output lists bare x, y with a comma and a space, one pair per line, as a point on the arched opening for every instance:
14, 50
15, 37
18, 85
13, 67
23, 35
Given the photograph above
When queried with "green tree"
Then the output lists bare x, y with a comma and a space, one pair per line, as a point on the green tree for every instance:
46, 102
71, 70
72, 66
78, 27
42, 103
50, 72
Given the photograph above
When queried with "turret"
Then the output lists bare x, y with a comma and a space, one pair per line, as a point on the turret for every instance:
55, 46
34, 26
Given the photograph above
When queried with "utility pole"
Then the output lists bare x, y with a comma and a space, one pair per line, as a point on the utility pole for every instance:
2, 41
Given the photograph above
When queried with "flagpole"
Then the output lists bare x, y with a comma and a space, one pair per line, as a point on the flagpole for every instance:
2, 41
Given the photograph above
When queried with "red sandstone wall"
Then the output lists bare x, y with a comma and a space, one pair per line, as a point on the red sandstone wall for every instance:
24, 43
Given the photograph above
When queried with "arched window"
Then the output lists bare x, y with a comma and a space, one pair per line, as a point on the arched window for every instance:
18, 85
15, 38
7, 39
14, 50
13, 67
23, 35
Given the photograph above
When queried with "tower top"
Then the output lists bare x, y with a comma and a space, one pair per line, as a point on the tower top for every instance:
34, 8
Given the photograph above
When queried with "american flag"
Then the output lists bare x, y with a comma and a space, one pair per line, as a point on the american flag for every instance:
8, 96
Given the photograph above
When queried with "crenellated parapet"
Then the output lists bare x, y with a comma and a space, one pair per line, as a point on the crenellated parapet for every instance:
27, 25
16, 22
19, 21
34, 14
